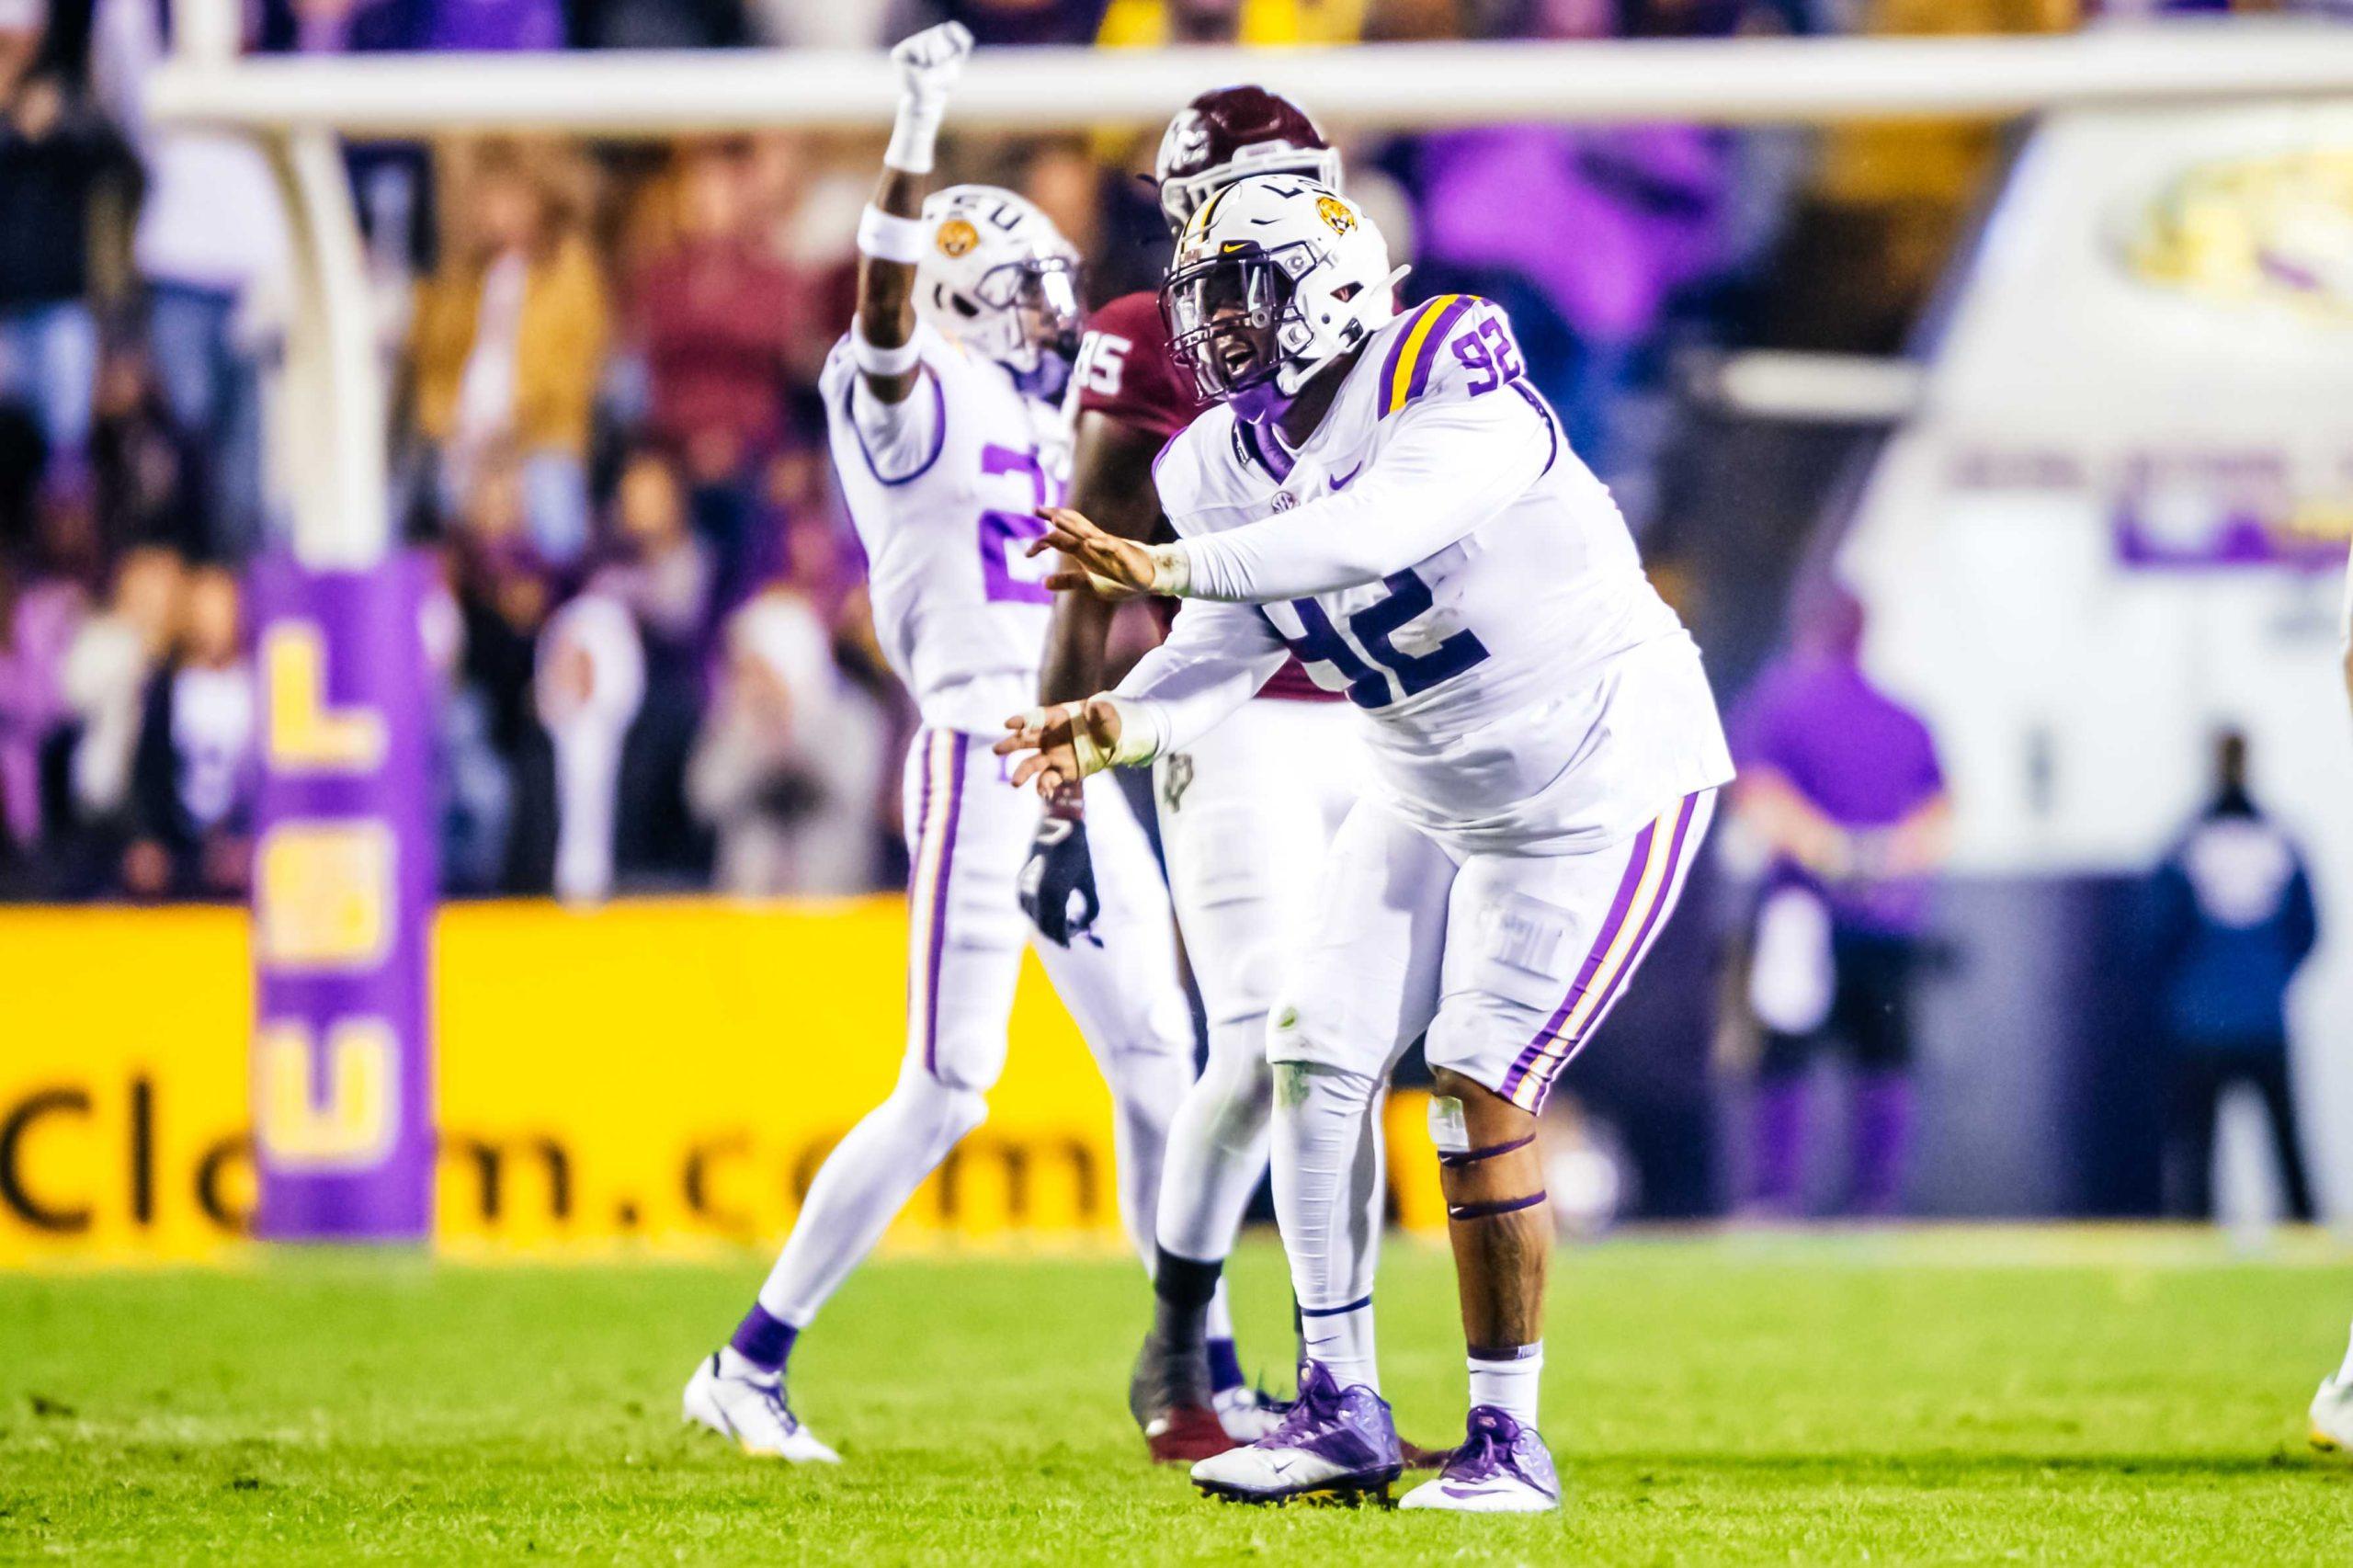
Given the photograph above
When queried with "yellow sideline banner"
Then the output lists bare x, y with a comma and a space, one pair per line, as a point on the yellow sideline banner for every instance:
660, 1073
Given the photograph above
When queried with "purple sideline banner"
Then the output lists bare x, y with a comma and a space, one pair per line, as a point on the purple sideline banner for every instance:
342, 1067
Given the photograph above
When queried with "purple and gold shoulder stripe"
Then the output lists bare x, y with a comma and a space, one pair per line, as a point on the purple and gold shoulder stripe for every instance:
1406, 371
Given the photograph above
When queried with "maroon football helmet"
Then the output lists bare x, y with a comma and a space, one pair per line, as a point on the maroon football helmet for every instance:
1232, 131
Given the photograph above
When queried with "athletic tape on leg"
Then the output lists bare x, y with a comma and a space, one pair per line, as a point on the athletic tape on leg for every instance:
1453, 1161
1488, 1210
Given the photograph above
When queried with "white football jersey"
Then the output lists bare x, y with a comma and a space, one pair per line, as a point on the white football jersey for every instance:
1528, 687
943, 488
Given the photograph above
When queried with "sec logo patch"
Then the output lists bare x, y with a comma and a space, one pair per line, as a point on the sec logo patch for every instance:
956, 236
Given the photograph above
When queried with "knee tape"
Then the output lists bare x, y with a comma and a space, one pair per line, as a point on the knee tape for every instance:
1453, 1135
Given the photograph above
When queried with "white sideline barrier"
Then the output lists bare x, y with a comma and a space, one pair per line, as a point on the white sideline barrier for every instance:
1395, 86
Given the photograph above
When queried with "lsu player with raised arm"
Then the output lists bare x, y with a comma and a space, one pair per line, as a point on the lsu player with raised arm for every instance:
947, 437
1245, 810
1384, 497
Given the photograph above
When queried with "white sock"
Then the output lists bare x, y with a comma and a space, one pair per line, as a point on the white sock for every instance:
1509, 1382
1342, 1341
863, 1185
2345, 1373
1326, 1152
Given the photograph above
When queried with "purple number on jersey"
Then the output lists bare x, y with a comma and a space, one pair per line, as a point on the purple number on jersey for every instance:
1005, 534
1489, 353
1374, 626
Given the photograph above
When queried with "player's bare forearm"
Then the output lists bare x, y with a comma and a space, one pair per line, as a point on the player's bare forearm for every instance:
1111, 483
886, 289
1073, 667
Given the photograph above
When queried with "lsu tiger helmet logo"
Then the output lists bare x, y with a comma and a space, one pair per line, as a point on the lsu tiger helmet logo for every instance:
1336, 214
957, 236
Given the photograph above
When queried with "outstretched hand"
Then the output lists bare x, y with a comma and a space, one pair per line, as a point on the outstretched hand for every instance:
1060, 746
1108, 565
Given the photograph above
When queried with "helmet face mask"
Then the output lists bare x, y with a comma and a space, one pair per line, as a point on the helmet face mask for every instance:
1276, 277
1041, 294
1226, 316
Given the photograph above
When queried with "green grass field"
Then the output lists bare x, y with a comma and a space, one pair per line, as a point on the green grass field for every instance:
2133, 1398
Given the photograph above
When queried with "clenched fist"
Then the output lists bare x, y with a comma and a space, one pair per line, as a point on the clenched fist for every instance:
929, 61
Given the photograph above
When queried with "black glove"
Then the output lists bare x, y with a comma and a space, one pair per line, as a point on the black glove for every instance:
1058, 873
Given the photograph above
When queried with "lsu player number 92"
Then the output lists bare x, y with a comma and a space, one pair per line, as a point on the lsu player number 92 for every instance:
1383, 494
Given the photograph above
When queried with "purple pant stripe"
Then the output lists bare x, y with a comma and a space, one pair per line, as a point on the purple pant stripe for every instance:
1608, 934
1670, 891
957, 742
917, 976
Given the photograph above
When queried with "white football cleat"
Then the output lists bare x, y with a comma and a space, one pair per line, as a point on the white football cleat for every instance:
1248, 1414
1501, 1468
2332, 1415
1334, 1445
752, 1411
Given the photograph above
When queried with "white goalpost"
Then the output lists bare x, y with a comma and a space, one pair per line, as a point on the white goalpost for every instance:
297, 108
342, 1082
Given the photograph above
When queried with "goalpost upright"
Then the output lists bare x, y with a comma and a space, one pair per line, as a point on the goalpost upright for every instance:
342, 1082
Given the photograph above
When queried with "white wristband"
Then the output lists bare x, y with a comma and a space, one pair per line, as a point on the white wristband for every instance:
875, 359
886, 236
912, 137
1172, 569
1139, 739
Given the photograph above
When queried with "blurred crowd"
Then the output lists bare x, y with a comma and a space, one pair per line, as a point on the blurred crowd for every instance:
646, 608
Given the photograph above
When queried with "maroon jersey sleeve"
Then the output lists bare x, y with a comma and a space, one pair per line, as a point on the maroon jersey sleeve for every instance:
1124, 370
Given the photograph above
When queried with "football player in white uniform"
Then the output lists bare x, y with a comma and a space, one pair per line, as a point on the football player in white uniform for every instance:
1385, 496
946, 438
1247, 811
2332, 1407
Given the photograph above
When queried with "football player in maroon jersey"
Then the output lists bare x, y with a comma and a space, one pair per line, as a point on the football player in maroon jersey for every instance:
1245, 814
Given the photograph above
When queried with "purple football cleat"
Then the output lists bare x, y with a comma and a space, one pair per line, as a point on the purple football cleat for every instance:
1501, 1468
1335, 1444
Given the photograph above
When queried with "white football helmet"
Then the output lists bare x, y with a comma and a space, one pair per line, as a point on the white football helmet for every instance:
1000, 278
1275, 277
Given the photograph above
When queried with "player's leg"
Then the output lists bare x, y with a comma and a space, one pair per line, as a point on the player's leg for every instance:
1365, 988
1121, 990
1539, 950
1244, 818
964, 952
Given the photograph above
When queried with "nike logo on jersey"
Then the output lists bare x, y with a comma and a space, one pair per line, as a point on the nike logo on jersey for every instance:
1341, 482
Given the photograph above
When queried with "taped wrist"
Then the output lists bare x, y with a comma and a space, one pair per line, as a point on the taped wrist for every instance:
1140, 731
877, 360
1172, 569
886, 236
914, 135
